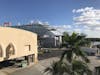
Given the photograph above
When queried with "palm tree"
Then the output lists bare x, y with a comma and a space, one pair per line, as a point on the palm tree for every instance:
77, 67
74, 41
80, 68
74, 55
73, 61
58, 68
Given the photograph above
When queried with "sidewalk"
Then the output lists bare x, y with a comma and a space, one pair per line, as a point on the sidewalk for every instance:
38, 69
33, 69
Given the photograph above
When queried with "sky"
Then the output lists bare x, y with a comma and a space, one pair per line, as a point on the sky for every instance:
75, 15
56, 12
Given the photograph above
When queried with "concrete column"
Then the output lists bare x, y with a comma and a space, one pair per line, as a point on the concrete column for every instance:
35, 58
60, 40
55, 41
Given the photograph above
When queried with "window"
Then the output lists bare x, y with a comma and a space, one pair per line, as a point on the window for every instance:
10, 50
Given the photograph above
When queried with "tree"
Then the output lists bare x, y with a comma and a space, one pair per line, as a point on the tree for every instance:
76, 67
74, 41
73, 61
80, 68
58, 68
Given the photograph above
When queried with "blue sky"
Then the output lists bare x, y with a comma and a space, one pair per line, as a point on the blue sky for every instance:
56, 12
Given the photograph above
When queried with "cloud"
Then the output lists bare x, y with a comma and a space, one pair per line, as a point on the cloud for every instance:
68, 28
82, 9
78, 30
92, 33
64, 28
89, 20
88, 16
97, 28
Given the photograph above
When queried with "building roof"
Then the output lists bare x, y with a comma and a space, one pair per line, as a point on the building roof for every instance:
42, 30
56, 33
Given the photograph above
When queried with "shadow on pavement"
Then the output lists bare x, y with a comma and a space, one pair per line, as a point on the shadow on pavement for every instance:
6, 64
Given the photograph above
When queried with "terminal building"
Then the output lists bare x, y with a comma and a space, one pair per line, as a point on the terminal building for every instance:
48, 37
16, 43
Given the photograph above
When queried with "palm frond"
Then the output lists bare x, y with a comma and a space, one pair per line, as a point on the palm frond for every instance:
67, 54
58, 68
81, 54
81, 67
66, 36
53, 69
48, 69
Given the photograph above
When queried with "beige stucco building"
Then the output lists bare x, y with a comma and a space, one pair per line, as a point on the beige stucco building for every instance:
15, 43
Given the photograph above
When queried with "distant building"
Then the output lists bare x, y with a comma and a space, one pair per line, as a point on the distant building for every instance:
15, 43
7, 24
47, 36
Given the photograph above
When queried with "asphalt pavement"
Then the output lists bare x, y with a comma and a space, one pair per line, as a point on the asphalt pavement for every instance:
27, 71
